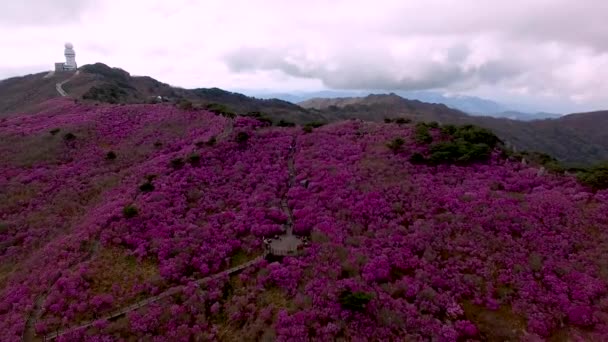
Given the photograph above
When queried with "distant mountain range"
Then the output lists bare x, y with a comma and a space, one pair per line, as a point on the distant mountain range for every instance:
576, 139
469, 104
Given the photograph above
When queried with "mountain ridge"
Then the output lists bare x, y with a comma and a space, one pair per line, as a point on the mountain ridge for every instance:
574, 139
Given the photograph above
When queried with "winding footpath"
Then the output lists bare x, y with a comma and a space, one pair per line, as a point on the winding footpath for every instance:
59, 86
285, 243
170, 292
288, 244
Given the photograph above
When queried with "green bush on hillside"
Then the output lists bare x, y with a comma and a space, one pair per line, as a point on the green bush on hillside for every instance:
211, 141
130, 211
184, 104
458, 151
595, 177
354, 301
146, 187
69, 137
194, 159
261, 117
220, 109
422, 134
395, 144
283, 123
465, 144
242, 137
109, 93
476, 135
177, 163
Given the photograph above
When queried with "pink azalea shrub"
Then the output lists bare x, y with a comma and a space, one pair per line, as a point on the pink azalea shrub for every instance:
448, 252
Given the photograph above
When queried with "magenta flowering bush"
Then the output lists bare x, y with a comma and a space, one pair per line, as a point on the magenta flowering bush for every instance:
492, 250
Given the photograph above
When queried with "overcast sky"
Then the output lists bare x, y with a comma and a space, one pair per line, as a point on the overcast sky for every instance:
548, 52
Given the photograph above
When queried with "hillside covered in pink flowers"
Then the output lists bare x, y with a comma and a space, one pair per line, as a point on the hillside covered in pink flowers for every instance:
105, 206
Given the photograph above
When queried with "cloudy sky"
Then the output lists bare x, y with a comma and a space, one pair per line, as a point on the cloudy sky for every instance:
551, 53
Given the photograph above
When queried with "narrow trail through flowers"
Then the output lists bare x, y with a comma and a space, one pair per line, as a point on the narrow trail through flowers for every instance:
286, 244
170, 292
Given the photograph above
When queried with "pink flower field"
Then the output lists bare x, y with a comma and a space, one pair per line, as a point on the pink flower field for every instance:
103, 207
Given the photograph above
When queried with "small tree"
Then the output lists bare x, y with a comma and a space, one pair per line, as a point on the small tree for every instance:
242, 137
354, 301
130, 211
421, 134
283, 123
417, 158
69, 137
194, 159
54, 131
595, 177
395, 144
184, 104
110, 155
211, 141
401, 121
177, 163
146, 187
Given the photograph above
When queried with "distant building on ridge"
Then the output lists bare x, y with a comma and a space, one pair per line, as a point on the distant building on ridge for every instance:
70, 59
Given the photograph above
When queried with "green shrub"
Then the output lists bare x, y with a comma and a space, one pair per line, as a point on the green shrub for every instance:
449, 129
150, 178
211, 141
401, 121
194, 159
595, 177
283, 123
130, 211
146, 187
220, 109
255, 114
54, 131
69, 137
177, 163
476, 135
387, 120
458, 152
433, 124
422, 134
110, 155
158, 144
316, 124
242, 137
395, 144
184, 104
265, 120
417, 158
307, 129
110, 93
354, 301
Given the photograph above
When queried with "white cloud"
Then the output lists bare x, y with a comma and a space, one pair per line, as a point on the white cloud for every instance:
540, 50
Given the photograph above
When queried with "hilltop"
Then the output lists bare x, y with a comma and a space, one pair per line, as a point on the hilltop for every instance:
415, 231
574, 140
103, 84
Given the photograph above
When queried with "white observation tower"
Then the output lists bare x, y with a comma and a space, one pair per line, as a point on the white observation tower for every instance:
70, 59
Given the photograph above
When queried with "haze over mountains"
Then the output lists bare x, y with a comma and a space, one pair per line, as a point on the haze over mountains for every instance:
468, 104
576, 139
